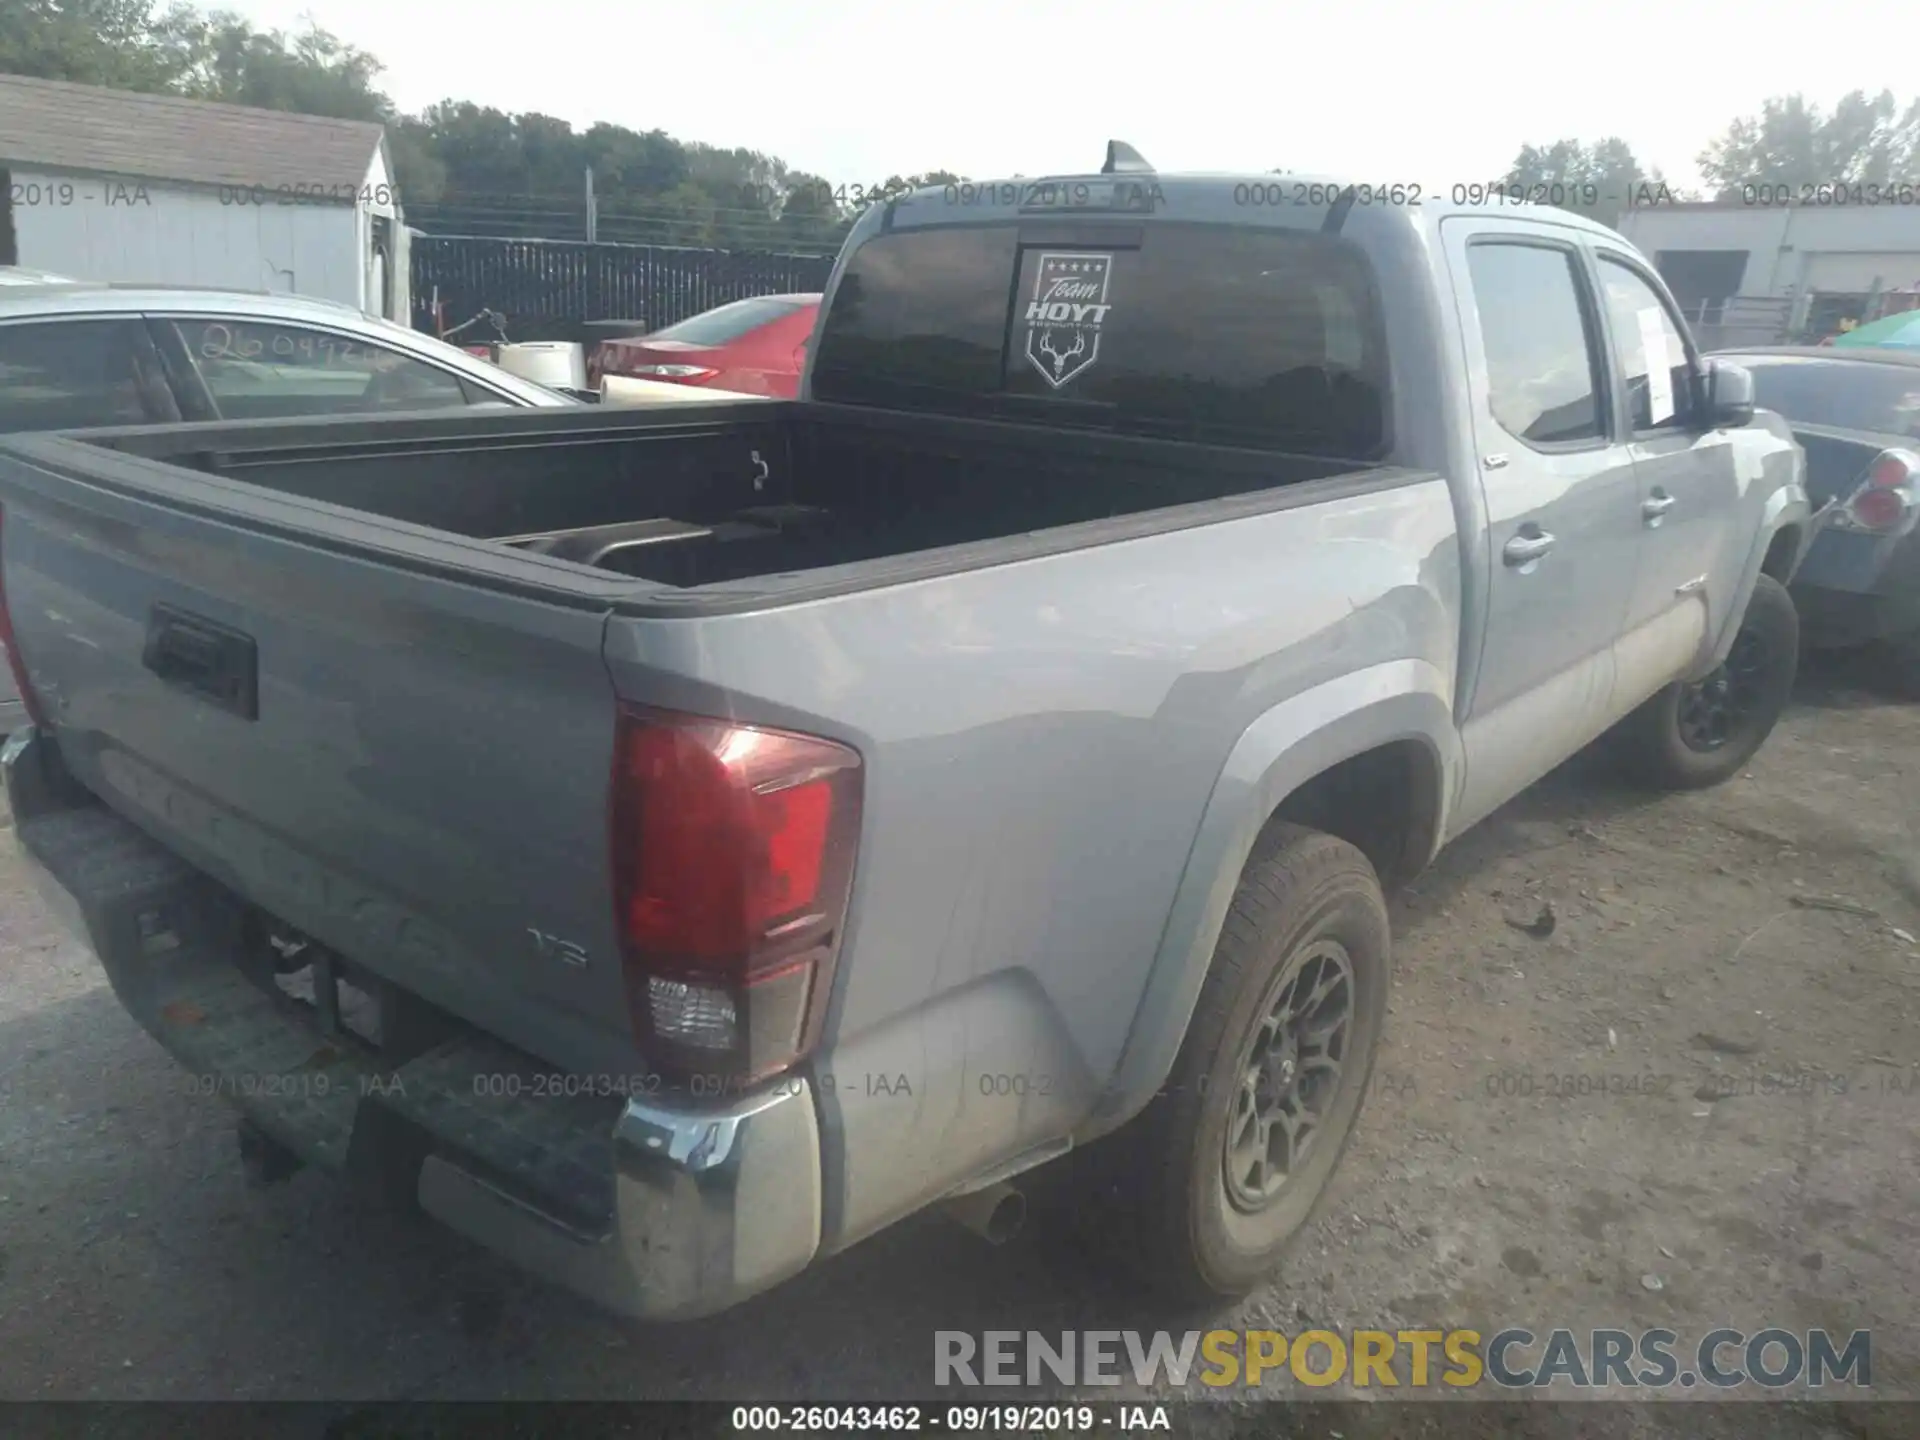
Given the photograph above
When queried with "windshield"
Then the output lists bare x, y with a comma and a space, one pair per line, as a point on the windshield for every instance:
1235, 335
730, 322
1857, 395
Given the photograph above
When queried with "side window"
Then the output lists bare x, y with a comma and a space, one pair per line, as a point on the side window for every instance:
67, 374
258, 369
1653, 354
1543, 371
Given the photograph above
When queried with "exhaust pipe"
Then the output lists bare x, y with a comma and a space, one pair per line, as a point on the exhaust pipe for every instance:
995, 1213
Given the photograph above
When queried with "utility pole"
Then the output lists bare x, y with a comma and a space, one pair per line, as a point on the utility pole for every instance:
593, 210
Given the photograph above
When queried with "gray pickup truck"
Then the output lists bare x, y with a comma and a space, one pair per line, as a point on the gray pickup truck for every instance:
671, 846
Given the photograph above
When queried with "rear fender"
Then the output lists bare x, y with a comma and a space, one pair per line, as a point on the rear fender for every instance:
1287, 746
1787, 506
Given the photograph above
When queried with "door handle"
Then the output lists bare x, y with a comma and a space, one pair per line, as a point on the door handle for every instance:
1656, 505
213, 661
1525, 549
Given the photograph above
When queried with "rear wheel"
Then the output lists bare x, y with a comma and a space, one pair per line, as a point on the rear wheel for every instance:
1231, 1160
1696, 734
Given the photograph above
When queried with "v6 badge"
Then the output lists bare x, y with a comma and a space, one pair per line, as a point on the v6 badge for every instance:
1065, 315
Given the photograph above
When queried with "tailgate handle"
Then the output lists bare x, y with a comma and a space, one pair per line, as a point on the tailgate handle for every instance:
214, 661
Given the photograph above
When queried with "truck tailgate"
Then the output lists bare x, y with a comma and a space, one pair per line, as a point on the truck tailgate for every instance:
409, 767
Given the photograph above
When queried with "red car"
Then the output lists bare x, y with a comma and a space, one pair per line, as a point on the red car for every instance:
755, 347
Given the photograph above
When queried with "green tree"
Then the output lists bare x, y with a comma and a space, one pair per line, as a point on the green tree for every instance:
478, 147
417, 167
310, 73
524, 172
1598, 180
810, 218
634, 163
118, 43
1793, 142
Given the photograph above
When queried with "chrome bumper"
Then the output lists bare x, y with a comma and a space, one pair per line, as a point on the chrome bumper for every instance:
710, 1207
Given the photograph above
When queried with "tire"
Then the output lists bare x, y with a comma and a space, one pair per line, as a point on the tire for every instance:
1305, 901
1668, 744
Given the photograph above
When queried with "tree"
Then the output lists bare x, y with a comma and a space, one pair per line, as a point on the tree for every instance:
810, 217
1791, 142
118, 43
636, 163
478, 147
313, 73
417, 167
1598, 180
474, 165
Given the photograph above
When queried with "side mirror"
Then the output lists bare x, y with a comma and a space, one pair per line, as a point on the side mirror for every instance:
1728, 391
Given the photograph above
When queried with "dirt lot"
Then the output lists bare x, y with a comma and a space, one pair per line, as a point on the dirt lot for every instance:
1695, 1103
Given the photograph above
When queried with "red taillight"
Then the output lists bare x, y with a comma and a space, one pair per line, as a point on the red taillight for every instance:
1891, 468
732, 853
28, 701
1884, 497
1879, 509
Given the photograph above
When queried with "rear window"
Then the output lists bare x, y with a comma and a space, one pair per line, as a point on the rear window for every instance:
1233, 335
729, 322
1881, 398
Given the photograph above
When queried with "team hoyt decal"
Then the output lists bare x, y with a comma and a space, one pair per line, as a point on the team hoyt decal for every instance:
1064, 318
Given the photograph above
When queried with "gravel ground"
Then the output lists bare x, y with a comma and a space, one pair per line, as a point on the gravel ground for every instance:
1759, 1164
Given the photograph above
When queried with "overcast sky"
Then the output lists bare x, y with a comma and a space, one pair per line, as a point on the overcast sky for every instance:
1388, 91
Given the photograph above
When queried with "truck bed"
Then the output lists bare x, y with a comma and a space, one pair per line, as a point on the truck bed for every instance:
742, 493
411, 764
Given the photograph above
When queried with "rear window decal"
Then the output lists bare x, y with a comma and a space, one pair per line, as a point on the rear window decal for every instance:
1065, 316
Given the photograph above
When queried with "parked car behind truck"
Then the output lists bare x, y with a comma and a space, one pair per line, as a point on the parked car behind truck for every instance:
748, 826
1856, 412
755, 346
77, 354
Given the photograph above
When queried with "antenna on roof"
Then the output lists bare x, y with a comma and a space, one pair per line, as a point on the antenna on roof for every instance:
1122, 158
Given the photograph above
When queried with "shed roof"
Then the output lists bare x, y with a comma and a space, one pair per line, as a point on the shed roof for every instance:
63, 126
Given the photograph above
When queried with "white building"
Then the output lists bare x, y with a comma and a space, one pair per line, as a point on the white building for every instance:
1802, 266
154, 189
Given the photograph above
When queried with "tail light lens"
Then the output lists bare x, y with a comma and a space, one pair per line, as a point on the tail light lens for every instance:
28, 701
732, 851
684, 374
1887, 494
688, 375
611, 359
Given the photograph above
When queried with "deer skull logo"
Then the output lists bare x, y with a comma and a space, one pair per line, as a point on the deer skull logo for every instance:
1066, 314
1060, 358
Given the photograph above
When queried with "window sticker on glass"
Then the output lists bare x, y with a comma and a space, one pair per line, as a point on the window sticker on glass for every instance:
1653, 345
1065, 316
220, 341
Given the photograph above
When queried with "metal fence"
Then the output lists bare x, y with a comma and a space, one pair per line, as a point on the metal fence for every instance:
554, 289
1740, 320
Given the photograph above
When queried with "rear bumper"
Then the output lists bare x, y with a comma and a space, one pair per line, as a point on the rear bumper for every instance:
654, 1209
1854, 588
